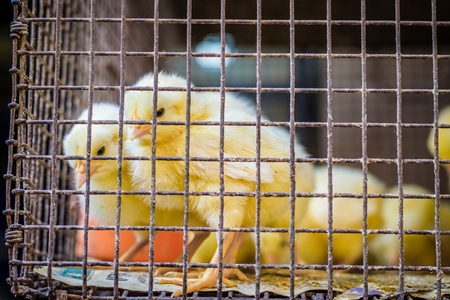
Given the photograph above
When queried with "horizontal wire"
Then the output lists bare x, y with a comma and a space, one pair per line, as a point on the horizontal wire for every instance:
239, 89
229, 229
345, 267
233, 55
240, 21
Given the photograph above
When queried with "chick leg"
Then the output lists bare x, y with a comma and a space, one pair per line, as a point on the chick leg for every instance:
193, 245
210, 276
230, 258
141, 242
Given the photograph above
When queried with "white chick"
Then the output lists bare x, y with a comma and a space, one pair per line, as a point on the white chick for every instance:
347, 214
104, 174
204, 176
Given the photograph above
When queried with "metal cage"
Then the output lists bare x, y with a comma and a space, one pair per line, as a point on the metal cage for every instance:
359, 83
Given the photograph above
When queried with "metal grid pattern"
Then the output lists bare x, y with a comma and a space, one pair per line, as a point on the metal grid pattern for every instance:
69, 54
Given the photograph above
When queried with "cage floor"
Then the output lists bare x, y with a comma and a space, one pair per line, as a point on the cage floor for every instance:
309, 284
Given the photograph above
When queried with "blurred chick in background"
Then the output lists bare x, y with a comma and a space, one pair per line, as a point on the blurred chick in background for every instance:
275, 246
204, 175
444, 154
443, 139
104, 174
347, 214
418, 214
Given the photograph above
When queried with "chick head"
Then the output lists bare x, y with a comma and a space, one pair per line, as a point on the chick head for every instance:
171, 106
443, 138
104, 142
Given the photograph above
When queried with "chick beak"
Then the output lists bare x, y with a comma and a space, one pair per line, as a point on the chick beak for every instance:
80, 171
137, 130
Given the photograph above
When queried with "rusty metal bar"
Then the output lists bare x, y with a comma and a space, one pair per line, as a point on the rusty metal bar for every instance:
258, 148
399, 131
153, 147
242, 21
364, 155
240, 89
221, 146
54, 149
330, 151
292, 147
17, 32
120, 171
92, 39
187, 143
234, 54
437, 226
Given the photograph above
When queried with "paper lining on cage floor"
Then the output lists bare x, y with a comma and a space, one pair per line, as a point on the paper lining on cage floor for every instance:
347, 286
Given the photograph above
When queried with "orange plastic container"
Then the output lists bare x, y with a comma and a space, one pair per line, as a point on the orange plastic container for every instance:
168, 245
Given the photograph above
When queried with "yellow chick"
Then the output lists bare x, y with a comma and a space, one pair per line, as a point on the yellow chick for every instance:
204, 174
418, 214
347, 214
444, 153
104, 174
275, 246
444, 210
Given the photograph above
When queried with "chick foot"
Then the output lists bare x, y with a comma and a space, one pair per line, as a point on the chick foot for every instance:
197, 274
207, 280
176, 273
163, 271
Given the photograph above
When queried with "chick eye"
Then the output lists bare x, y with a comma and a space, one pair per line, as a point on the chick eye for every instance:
101, 151
160, 112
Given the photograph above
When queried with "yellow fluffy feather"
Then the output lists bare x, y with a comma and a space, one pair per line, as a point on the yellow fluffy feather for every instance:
104, 174
204, 175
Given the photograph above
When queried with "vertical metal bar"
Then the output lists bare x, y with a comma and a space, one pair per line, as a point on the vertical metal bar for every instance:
34, 138
41, 242
47, 43
15, 77
221, 146
116, 292
292, 191
364, 150
39, 171
399, 147
153, 160
72, 43
63, 208
88, 146
47, 77
330, 152
22, 166
54, 148
187, 142
437, 227
258, 148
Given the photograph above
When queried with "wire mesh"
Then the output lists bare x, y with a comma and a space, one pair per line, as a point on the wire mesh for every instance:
358, 85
